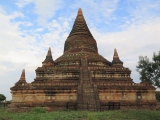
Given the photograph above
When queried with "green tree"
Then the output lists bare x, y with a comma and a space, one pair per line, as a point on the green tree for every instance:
149, 70
2, 97
158, 95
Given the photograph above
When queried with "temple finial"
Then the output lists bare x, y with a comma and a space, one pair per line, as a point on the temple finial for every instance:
49, 52
115, 50
116, 61
80, 11
22, 78
115, 53
80, 27
48, 56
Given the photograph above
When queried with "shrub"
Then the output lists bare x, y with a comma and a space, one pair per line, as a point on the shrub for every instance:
158, 95
38, 110
2, 97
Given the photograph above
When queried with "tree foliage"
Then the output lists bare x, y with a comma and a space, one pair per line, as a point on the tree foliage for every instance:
149, 70
2, 97
158, 95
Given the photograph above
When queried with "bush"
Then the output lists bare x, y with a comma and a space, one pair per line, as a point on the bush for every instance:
38, 110
2, 97
158, 95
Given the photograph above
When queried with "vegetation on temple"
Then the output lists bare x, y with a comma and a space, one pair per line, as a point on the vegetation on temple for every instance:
150, 70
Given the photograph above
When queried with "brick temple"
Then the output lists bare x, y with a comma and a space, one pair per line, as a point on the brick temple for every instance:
82, 79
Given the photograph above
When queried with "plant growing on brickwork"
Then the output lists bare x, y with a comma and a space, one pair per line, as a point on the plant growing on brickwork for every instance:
149, 70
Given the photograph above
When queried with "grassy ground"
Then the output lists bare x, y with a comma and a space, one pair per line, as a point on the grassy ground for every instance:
41, 114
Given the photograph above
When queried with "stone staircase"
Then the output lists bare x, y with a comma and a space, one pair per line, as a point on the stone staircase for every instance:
88, 98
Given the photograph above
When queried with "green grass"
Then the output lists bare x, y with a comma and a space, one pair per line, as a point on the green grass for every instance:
41, 114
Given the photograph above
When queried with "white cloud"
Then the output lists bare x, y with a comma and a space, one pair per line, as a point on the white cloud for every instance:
14, 48
133, 41
23, 3
141, 11
39, 30
25, 52
16, 14
97, 11
44, 9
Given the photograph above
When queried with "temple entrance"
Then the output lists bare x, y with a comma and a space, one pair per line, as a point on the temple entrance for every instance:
71, 106
109, 106
114, 105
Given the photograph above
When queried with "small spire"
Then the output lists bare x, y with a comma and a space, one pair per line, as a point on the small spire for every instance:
116, 59
80, 17
22, 78
115, 53
80, 11
48, 56
49, 52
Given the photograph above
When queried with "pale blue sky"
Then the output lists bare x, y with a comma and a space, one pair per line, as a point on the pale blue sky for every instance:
29, 27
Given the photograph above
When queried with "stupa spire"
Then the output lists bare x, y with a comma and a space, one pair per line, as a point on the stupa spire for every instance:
115, 54
22, 78
48, 56
116, 60
80, 11
80, 38
49, 52
80, 26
